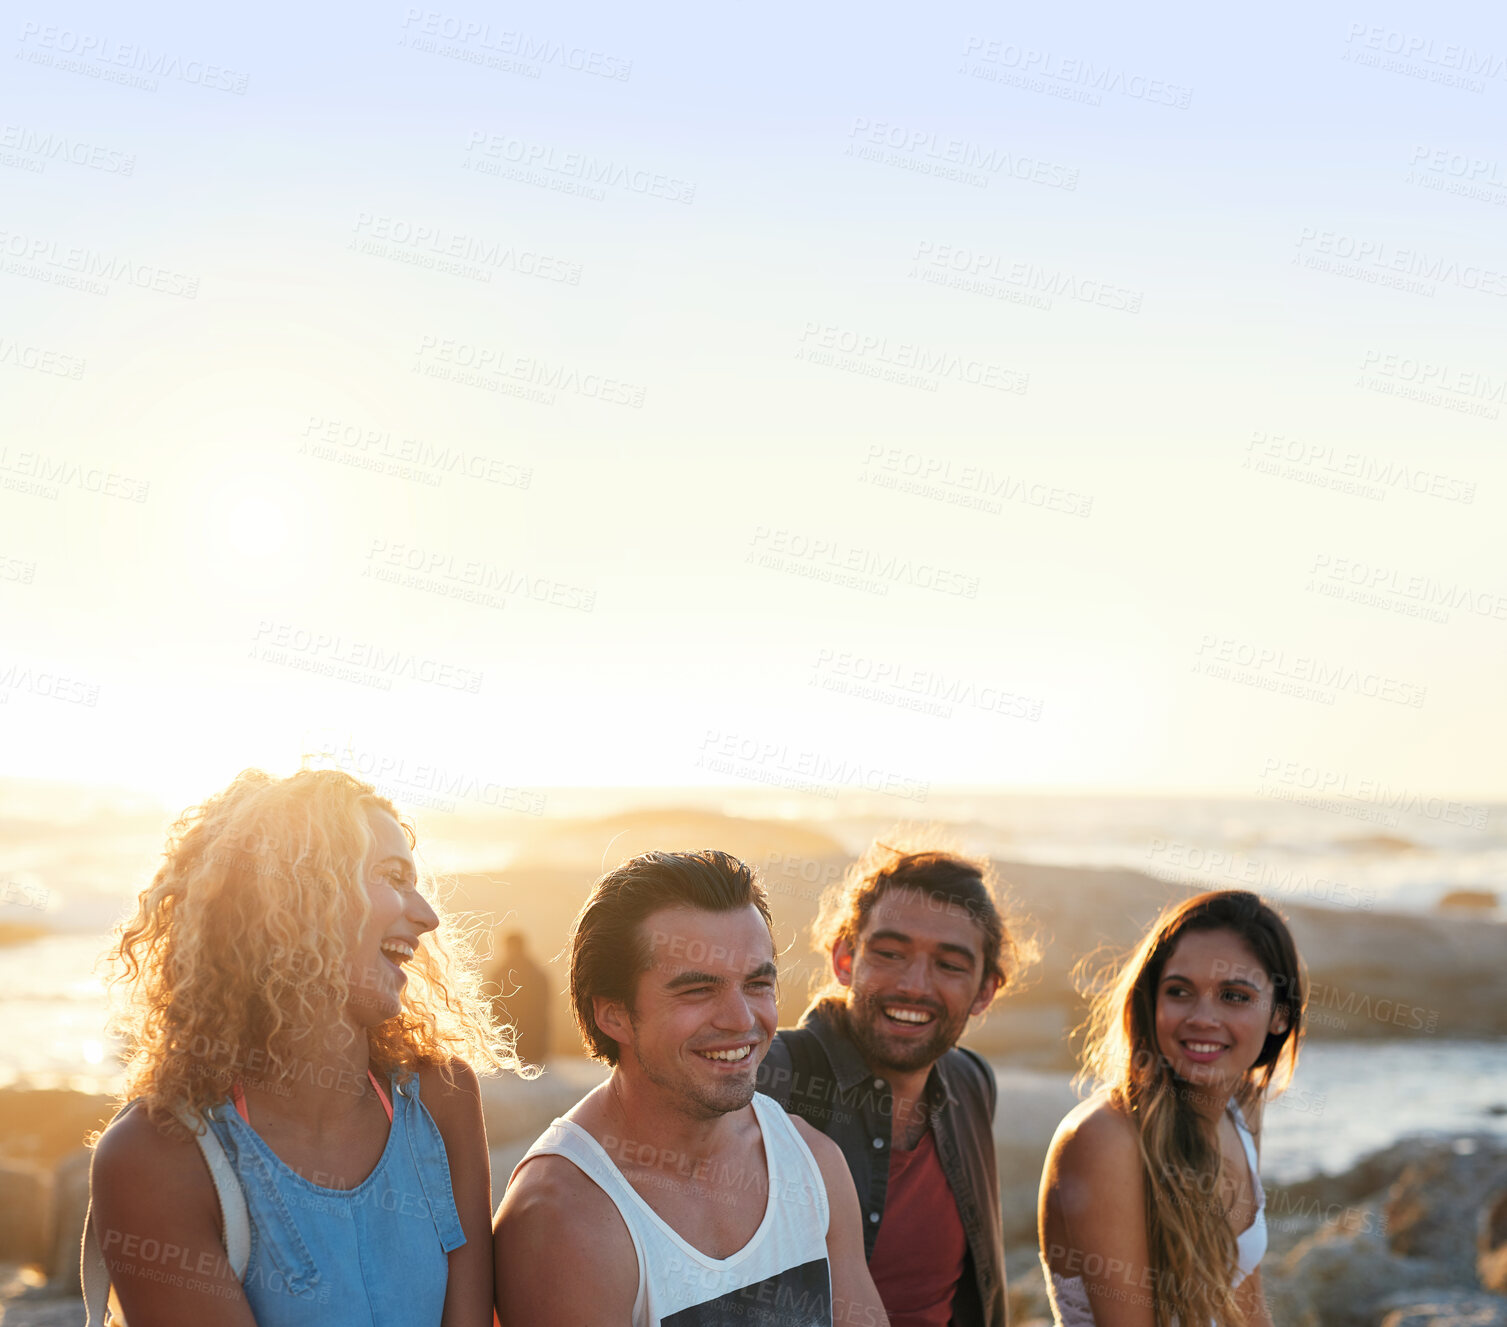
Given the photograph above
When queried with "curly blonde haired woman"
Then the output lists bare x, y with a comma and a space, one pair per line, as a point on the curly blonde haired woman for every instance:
1151, 1209
293, 1011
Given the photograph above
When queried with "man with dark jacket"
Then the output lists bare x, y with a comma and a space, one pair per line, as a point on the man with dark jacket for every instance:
917, 946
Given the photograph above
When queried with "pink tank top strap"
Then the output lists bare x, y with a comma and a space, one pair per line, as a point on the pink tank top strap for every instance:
239, 1097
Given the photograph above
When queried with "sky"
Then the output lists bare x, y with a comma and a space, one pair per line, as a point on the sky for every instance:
1084, 399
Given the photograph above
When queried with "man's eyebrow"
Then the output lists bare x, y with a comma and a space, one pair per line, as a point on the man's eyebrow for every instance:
899, 937
694, 979
1225, 981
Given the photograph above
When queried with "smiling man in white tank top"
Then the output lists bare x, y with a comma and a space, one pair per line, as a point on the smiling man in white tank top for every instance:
673, 1194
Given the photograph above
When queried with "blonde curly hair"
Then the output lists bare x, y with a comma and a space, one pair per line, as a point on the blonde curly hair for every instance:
235, 959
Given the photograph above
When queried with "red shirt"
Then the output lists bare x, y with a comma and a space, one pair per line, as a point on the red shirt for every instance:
919, 1251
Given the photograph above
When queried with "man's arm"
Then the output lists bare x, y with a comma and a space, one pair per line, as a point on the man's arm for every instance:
855, 1301
564, 1257
456, 1111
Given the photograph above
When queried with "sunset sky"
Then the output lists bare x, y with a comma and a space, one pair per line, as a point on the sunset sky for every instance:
1091, 400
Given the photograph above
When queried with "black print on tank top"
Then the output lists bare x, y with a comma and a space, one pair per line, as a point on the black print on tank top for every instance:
797, 1297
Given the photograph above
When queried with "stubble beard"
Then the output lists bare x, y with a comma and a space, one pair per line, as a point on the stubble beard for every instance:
866, 1028
696, 1098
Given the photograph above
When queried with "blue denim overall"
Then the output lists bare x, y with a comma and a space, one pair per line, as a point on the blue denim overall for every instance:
371, 1256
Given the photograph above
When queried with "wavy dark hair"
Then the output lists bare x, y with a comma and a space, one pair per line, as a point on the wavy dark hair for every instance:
608, 949
1192, 1255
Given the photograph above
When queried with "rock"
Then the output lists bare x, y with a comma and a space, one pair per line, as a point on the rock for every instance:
70, 1205
25, 1201
1285, 1302
1345, 1275
45, 1124
1027, 1285
1491, 1244
43, 1313
1434, 1208
1449, 1308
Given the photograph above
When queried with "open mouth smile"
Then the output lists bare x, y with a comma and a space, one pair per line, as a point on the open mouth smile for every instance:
397, 952
1203, 1052
907, 1015
733, 1055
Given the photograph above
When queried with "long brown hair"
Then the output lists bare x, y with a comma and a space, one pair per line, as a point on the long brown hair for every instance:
1191, 1247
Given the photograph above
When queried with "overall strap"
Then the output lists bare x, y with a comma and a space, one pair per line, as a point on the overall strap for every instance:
94, 1274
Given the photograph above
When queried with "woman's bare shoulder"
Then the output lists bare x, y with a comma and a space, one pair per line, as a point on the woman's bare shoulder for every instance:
1097, 1138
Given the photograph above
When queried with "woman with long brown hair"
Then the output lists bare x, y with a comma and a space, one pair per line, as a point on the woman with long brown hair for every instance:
304, 1140
1151, 1210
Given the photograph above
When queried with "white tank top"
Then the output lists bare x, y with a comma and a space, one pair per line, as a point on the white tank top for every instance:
779, 1278
1069, 1294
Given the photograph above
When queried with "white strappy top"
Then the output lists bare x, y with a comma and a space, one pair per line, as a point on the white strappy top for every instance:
1069, 1296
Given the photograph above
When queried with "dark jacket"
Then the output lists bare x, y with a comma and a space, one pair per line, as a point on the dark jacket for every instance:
815, 1072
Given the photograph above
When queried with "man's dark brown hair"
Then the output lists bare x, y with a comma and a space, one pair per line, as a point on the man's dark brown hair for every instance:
607, 948
955, 882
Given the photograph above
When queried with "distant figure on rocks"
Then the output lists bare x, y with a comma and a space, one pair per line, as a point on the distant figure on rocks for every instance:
523, 997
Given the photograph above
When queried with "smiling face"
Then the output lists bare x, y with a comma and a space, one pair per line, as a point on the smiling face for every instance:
703, 1013
1214, 1009
390, 934
914, 978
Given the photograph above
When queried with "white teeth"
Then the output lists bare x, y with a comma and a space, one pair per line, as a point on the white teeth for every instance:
908, 1015
741, 1053
1203, 1047
401, 950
